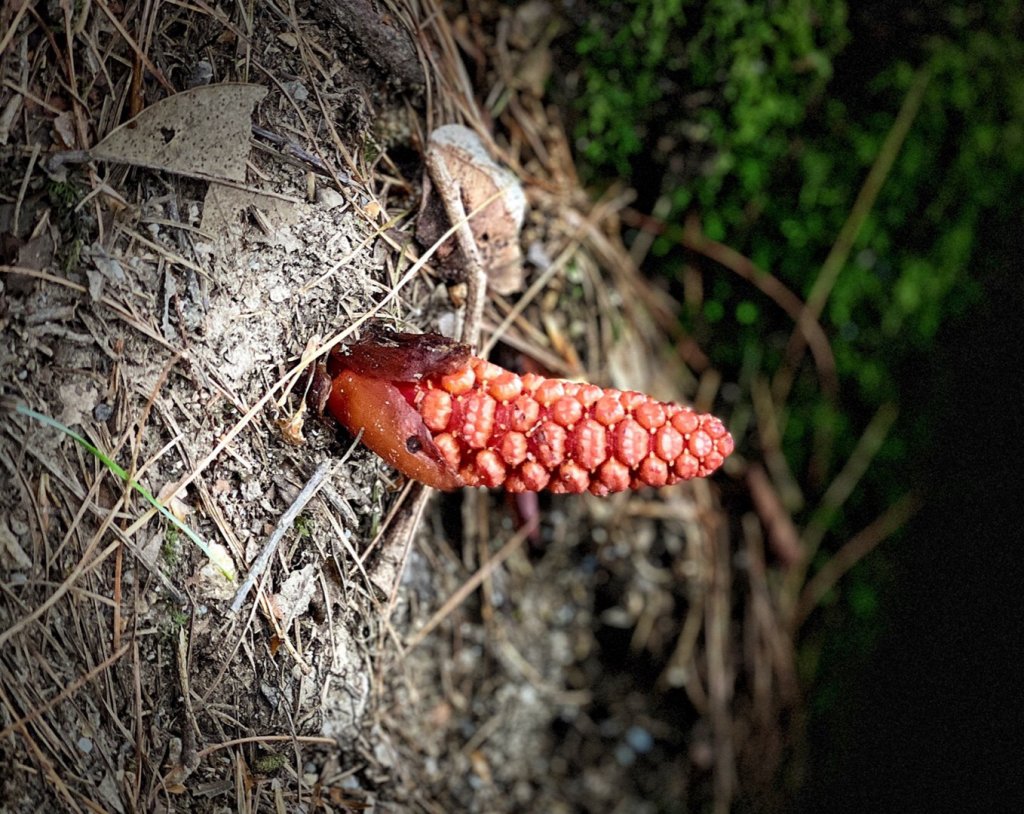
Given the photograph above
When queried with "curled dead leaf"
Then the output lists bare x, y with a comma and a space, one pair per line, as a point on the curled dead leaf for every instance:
493, 199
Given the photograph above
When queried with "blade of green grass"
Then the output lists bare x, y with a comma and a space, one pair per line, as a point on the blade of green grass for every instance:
118, 470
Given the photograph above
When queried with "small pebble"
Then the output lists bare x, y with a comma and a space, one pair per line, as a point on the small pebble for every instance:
639, 739
102, 411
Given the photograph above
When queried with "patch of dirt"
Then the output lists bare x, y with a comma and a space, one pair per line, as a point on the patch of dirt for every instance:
158, 313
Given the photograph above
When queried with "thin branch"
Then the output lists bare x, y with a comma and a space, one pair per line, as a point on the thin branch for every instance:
808, 328
852, 552
473, 582
835, 496
283, 525
841, 249
68, 691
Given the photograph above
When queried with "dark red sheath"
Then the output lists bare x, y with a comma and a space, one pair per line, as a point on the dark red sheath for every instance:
450, 419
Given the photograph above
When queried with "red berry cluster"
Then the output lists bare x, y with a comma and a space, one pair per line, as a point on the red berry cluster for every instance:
527, 433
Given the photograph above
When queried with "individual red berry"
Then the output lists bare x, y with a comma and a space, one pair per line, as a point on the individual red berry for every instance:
608, 410
631, 400
477, 419
449, 449
490, 468
567, 411
534, 476
668, 443
631, 442
653, 471
549, 391
505, 386
591, 444
548, 444
436, 409
649, 414
459, 382
513, 448
572, 479
685, 421
525, 412
700, 444
588, 394
686, 466
614, 475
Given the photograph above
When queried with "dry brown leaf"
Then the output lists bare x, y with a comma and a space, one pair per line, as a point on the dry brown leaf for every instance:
78, 397
222, 210
296, 591
8, 116
173, 501
497, 223
64, 127
37, 254
12, 555
216, 579
202, 131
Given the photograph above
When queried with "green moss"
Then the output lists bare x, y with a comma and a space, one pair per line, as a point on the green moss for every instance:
766, 119
178, 619
268, 764
304, 526
171, 548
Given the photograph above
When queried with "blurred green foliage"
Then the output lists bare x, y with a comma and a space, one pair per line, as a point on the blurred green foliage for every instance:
765, 119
